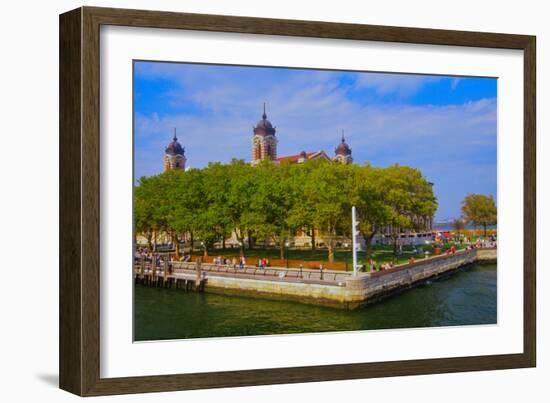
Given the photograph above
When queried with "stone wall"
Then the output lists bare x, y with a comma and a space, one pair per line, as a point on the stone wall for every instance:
373, 287
355, 291
487, 255
320, 294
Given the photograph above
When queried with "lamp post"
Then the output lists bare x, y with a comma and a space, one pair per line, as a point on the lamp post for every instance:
354, 233
241, 248
287, 244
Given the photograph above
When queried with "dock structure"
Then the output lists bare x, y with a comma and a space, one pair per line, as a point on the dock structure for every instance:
323, 287
163, 275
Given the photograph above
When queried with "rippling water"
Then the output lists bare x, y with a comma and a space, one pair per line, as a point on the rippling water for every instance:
468, 297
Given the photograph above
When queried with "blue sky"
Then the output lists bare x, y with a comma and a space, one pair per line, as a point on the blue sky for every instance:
445, 126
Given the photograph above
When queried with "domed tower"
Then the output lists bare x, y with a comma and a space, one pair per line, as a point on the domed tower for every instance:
174, 155
343, 152
264, 142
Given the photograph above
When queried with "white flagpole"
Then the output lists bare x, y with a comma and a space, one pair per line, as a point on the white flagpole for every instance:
353, 237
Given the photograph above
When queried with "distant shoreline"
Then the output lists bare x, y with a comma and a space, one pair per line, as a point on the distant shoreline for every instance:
448, 226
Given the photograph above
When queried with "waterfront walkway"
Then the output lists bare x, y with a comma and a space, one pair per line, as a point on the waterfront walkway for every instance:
191, 271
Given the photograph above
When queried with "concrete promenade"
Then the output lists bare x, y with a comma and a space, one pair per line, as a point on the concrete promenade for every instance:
334, 288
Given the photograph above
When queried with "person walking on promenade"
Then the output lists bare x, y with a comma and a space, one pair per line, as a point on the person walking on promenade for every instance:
321, 270
171, 260
372, 265
157, 260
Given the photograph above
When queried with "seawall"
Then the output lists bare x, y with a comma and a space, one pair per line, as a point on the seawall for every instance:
350, 292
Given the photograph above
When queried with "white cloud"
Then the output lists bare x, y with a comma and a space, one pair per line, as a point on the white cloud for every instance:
404, 85
310, 121
454, 83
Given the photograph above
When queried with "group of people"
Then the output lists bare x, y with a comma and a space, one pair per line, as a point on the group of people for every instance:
220, 261
240, 262
263, 263
482, 244
148, 256
490, 242
384, 266
451, 250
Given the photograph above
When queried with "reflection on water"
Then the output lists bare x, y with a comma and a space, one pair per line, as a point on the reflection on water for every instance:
468, 297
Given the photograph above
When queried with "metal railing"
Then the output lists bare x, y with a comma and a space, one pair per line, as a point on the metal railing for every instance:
332, 277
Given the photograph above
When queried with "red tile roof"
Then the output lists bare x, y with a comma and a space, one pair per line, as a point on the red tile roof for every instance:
296, 157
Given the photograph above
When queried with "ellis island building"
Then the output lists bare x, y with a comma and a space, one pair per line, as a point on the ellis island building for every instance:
264, 147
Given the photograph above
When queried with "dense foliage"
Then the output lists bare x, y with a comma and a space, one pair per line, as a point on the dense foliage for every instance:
274, 201
480, 209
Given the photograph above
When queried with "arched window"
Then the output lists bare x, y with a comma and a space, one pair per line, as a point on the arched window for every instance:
258, 151
269, 151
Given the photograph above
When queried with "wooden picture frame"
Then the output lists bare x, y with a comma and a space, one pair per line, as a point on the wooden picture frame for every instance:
79, 346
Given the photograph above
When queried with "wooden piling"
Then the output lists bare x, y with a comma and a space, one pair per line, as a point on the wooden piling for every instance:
165, 269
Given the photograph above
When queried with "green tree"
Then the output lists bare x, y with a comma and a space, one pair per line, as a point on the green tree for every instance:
458, 225
170, 211
410, 197
145, 202
370, 189
242, 187
329, 187
214, 222
272, 203
480, 210
301, 215
186, 193
153, 204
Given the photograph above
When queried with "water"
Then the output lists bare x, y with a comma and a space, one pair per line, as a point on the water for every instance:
468, 297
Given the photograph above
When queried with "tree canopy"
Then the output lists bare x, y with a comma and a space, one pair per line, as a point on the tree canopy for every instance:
275, 201
480, 209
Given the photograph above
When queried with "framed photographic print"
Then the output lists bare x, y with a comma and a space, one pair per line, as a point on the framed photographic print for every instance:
250, 201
